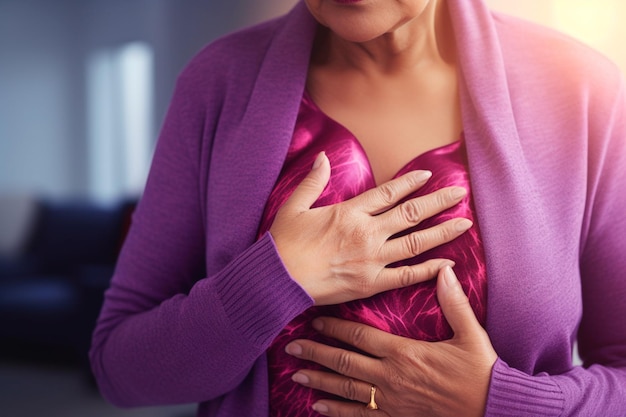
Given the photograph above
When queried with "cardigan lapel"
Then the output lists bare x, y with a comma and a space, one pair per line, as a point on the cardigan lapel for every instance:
503, 188
261, 138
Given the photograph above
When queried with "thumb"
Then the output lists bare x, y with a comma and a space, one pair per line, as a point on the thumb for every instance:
455, 304
311, 187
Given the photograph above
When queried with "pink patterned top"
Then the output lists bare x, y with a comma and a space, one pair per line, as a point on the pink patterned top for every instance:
411, 312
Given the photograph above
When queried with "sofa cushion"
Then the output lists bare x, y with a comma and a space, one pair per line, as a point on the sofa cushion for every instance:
71, 234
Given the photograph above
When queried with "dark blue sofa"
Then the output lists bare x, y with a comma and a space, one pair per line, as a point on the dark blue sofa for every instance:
50, 294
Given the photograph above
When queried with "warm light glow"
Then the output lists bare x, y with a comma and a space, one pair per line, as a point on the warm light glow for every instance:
593, 22
598, 23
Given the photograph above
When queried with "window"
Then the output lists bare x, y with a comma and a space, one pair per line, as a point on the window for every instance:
119, 120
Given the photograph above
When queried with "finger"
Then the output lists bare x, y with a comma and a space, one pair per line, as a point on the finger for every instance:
455, 304
344, 362
416, 243
345, 387
366, 338
387, 195
345, 409
311, 187
404, 276
415, 210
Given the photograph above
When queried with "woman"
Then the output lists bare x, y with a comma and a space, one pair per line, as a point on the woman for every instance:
210, 284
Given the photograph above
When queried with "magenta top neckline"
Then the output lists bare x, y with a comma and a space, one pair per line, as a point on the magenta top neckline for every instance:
411, 312
309, 103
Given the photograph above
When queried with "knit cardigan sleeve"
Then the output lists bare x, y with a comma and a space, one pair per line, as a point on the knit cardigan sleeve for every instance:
167, 333
598, 387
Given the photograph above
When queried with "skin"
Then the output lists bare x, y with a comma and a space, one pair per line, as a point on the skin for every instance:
384, 69
413, 378
395, 88
340, 253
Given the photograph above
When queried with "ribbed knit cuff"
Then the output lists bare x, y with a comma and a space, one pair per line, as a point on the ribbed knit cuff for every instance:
258, 294
516, 394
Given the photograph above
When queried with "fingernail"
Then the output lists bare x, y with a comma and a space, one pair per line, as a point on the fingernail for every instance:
318, 325
318, 160
321, 408
300, 378
447, 262
449, 278
423, 176
463, 225
458, 193
293, 349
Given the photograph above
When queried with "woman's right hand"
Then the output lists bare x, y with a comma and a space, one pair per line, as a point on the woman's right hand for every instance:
340, 253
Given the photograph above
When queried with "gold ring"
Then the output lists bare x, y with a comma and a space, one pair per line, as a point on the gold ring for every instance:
372, 404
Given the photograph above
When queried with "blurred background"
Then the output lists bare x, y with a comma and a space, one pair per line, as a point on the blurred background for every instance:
84, 86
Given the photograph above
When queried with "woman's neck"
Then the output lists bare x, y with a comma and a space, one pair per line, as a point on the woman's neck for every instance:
407, 47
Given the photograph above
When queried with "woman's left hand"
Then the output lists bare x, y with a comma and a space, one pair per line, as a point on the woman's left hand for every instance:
412, 378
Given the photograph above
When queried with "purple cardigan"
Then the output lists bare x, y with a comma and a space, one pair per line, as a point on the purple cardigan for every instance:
195, 301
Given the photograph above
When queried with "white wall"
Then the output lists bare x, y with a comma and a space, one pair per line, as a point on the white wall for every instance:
37, 98
44, 45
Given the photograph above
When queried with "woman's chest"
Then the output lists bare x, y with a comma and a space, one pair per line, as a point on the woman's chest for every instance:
394, 126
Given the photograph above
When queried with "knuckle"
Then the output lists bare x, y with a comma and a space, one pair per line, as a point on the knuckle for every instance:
406, 350
364, 287
352, 230
360, 234
357, 336
411, 212
344, 363
349, 390
407, 276
415, 243
388, 193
